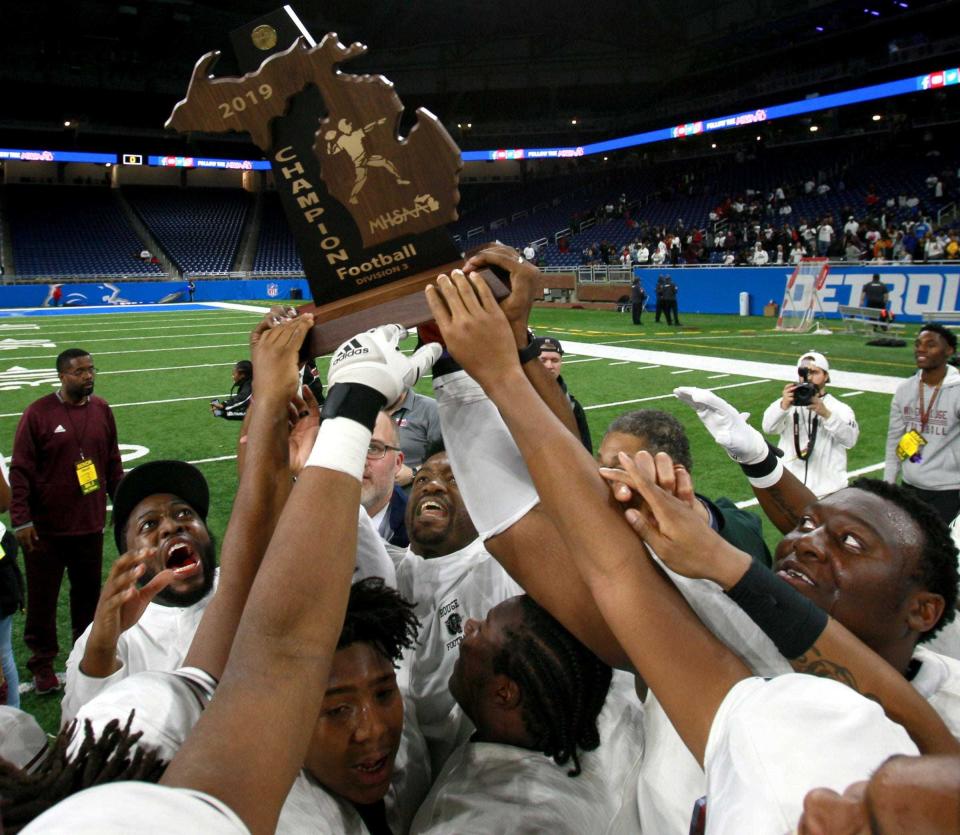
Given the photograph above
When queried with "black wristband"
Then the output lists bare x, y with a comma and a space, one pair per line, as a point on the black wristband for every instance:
791, 621
354, 401
765, 467
531, 351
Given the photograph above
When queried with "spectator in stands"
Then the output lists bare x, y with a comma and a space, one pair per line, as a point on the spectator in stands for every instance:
66, 462
760, 256
530, 253
816, 434
824, 237
851, 249
236, 405
851, 227
952, 249
932, 248
191, 288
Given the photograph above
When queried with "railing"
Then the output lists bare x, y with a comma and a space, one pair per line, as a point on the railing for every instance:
946, 213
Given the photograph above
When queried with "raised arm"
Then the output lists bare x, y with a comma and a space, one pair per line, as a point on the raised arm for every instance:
525, 286
262, 492
782, 496
813, 642
644, 611
250, 743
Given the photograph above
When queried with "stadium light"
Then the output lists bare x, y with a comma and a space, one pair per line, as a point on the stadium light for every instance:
573, 121
876, 117
814, 128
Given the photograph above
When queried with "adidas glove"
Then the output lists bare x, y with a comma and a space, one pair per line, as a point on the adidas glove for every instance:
372, 359
729, 428
366, 374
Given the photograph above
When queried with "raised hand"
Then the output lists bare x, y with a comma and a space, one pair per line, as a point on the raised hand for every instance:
474, 327
671, 526
275, 355
304, 425
729, 428
120, 606
525, 284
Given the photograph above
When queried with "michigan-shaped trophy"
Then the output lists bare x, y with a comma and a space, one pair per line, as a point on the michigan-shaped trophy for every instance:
368, 208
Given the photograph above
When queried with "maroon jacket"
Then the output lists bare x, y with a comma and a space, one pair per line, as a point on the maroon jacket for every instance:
43, 473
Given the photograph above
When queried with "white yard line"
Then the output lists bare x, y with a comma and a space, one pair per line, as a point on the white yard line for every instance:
852, 394
683, 371
143, 403
158, 349
668, 396
838, 379
621, 362
717, 376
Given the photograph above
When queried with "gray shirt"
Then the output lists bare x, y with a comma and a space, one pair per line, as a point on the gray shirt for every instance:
418, 424
939, 464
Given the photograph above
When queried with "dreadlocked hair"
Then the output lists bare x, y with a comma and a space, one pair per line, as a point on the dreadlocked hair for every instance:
564, 685
937, 565
111, 757
378, 615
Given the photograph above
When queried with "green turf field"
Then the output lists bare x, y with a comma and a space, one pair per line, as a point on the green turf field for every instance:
158, 370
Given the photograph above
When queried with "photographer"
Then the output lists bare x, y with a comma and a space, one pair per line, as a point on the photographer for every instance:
815, 428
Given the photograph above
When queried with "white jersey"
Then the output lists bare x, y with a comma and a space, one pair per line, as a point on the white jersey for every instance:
938, 681
158, 641
670, 778
487, 787
147, 808
165, 707
772, 741
446, 591
825, 471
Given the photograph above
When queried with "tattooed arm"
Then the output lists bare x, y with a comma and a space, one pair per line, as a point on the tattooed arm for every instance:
784, 502
840, 655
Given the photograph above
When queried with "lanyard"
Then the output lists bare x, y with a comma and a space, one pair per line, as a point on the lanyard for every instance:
925, 415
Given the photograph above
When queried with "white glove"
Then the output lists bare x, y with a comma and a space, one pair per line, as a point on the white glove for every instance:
373, 359
729, 428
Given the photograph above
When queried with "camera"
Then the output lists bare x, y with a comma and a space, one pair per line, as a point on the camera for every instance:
804, 393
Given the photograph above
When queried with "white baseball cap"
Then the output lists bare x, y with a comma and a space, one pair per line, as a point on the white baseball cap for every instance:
816, 359
22, 740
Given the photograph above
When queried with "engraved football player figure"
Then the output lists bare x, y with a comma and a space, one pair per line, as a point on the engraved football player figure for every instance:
345, 138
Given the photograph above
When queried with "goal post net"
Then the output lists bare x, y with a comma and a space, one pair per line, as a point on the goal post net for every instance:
801, 296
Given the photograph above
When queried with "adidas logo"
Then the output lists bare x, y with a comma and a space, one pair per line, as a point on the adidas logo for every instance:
352, 349
59, 429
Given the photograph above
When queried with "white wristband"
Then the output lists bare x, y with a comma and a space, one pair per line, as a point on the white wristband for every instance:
341, 445
770, 478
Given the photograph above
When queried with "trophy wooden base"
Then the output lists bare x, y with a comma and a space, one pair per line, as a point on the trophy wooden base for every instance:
402, 301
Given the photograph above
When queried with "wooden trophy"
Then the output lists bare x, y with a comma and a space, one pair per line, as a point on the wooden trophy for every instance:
368, 209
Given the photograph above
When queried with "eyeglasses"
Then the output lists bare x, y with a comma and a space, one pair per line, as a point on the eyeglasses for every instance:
378, 449
81, 372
